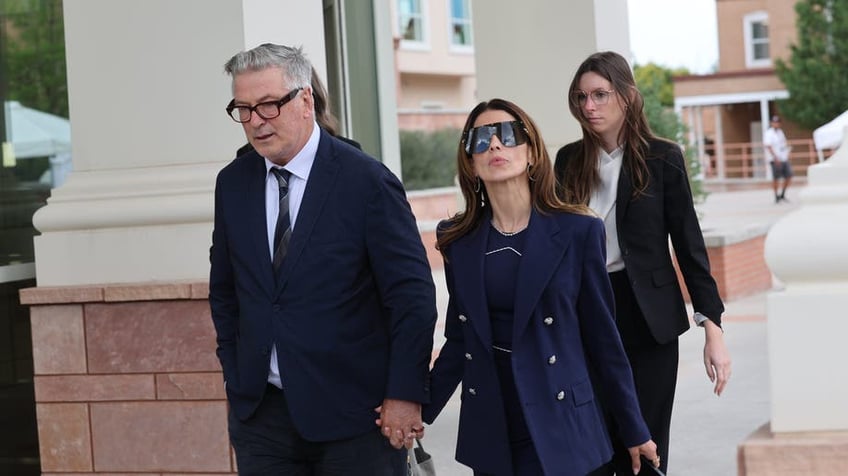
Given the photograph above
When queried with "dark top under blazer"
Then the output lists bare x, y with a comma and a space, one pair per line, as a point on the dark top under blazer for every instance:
352, 311
644, 225
563, 324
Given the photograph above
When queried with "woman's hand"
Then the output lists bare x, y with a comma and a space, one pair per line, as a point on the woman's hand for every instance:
716, 356
647, 449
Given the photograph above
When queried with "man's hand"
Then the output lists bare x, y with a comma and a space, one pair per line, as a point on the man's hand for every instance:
716, 357
400, 422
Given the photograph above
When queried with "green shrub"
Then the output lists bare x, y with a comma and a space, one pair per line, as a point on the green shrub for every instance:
428, 158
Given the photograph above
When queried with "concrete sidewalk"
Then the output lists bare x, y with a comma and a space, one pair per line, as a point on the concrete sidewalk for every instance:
706, 429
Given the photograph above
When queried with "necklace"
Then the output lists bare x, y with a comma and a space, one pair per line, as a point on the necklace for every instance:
507, 233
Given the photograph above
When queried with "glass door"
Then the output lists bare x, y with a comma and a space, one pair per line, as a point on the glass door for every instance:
34, 159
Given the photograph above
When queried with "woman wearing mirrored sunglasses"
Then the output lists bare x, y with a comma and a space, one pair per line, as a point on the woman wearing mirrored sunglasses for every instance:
638, 184
530, 311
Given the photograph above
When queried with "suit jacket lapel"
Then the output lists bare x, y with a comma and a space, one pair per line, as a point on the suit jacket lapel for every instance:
625, 190
544, 246
318, 188
468, 255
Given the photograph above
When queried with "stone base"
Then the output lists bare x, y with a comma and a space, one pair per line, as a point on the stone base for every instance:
765, 453
127, 381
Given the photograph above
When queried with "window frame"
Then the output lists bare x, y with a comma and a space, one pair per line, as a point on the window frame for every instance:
424, 42
751, 61
456, 47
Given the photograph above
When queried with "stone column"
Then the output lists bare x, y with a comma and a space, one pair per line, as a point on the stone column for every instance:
147, 94
807, 325
126, 377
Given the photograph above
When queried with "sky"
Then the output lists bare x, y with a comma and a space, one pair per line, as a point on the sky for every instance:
674, 33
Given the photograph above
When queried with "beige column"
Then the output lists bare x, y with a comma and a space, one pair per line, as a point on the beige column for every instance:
125, 373
528, 51
808, 431
147, 94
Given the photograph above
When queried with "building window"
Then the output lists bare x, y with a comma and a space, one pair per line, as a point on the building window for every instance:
460, 24
757, 54
412, 23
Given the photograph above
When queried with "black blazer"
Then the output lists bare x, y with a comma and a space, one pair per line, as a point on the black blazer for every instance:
645, 224
352, 309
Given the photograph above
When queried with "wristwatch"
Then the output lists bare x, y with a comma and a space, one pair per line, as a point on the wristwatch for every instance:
700, 319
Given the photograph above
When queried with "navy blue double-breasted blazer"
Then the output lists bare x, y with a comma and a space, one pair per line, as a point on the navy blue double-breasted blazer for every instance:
563, 325
352, 308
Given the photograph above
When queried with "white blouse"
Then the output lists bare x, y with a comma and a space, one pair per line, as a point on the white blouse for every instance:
602, 202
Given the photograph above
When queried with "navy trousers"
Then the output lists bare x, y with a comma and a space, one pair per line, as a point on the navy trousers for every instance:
269, 444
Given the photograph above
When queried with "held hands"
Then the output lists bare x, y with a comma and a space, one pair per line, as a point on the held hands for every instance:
647, 449
400, 422
716, 357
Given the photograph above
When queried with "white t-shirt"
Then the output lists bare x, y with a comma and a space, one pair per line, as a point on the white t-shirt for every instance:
777, 141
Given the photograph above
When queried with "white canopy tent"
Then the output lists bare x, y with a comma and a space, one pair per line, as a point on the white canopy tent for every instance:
36, 134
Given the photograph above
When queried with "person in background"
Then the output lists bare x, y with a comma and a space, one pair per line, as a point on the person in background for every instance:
530, 313
777, 152
638, 184
320, 289
323, 114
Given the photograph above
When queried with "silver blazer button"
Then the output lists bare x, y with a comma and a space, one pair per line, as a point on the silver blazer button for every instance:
552, 359
561, 395
549, 320
462, 318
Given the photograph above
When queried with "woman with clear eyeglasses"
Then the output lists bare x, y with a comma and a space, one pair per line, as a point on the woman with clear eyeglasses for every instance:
529, 313
638, 184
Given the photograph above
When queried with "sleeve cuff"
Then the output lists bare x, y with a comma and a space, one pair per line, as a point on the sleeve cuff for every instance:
700, 319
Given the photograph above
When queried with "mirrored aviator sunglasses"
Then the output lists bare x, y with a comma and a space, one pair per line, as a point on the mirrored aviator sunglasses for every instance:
510, 134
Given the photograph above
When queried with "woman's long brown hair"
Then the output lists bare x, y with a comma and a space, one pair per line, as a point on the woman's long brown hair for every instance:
540, 176
580, 175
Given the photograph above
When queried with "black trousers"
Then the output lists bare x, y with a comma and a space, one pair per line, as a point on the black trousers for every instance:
654, 373
269, 444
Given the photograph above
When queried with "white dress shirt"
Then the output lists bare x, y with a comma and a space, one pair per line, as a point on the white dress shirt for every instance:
299, 167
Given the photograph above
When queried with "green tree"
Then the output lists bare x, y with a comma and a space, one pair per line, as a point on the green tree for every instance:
816, 74
655, 81
34, 56
655, 84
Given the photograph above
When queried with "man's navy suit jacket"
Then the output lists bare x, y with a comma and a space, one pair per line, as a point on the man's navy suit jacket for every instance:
352, 308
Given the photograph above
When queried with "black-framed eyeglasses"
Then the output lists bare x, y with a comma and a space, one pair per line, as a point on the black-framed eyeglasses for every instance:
510, 133
599, 97
265, 110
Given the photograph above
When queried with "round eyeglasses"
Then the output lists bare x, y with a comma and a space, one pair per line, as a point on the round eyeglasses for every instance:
599, 97
265, 110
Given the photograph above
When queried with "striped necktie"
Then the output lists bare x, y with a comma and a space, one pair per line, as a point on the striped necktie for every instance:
282, 231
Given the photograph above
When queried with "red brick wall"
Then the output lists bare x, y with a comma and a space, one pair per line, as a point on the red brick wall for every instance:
739, 268
127, 381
